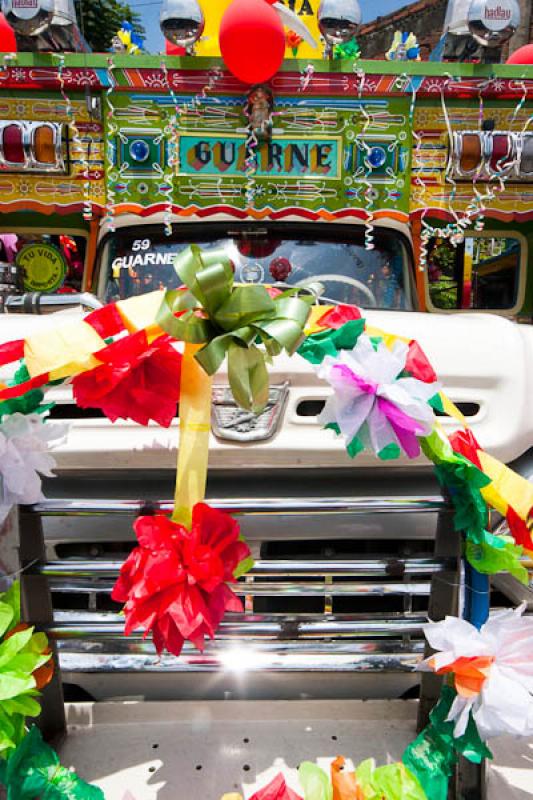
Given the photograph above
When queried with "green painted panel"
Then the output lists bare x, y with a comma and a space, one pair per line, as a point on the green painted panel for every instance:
333, 155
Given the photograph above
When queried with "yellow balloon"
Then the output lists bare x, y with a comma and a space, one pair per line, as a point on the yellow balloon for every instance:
306, 10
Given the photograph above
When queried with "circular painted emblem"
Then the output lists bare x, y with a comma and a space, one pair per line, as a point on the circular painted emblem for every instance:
252, 273
44, 267
377, 157
140, 151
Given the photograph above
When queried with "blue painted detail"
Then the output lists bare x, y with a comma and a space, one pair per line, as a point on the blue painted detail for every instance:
348, 159
104, 77
477, 596
377, 157
140, 151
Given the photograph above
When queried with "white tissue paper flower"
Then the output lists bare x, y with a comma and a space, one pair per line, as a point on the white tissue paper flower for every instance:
372, 403
25, 441
493, 671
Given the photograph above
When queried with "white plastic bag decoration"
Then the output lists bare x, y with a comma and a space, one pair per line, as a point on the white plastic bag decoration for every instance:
25, 440
372, 403
492, 668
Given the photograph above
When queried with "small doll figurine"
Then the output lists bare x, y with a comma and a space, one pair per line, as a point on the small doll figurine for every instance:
259, 111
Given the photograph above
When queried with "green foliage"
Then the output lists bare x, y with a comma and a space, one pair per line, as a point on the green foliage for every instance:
101, 19
443, 291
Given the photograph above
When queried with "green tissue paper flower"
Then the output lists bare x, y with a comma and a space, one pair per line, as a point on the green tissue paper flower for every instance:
328, 343
434, 753
33, 772
21, 653
497, 554
391, 782
28, 403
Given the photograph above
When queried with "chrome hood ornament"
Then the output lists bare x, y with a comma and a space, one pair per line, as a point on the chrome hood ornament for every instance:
234, 424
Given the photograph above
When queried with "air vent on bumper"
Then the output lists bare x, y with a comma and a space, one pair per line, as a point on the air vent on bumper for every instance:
312, 408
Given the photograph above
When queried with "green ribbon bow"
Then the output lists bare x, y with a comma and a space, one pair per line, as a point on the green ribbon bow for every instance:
33, 770
232, 320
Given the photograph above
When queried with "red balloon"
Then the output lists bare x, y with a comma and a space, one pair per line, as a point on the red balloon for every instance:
252, 40
524, 55
173, 49
8, 41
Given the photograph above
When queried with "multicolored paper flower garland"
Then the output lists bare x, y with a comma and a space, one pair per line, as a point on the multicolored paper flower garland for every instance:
492, 694
176, 585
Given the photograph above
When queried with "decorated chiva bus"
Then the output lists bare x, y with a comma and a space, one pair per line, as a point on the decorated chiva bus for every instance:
292, 292
410, 182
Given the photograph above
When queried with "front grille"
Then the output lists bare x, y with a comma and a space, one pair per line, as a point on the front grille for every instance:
328, 605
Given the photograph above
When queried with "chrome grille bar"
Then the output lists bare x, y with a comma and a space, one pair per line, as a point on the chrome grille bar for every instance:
256, 506
256, 589
249, 626
237, 661
353, 568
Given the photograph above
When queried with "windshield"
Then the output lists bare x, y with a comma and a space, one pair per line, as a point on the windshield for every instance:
139, 260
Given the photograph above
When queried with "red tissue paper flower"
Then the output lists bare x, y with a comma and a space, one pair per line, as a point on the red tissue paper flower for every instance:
465, 443
418, 365
175, 584
136, 380
276, 790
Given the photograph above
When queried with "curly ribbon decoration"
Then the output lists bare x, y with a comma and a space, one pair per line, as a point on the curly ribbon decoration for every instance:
520, 105
420, 194
77, 141
214, 76
171, 136
250, 164
369, 191
111, 151
369, 227
306, 77
228, 320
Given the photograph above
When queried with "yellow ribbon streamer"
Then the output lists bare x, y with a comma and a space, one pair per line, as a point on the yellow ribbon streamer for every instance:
62, 352
195, 427
511, 488
69, 349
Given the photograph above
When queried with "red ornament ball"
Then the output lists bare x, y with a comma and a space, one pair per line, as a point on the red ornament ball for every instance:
8, 41
524, 55
252, 40
280, 268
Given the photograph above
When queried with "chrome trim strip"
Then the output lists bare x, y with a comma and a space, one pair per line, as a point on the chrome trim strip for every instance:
242, 626
277, 588
256, 506
238, 662
392, 567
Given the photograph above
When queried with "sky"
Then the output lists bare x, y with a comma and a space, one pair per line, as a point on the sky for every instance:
149, 11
